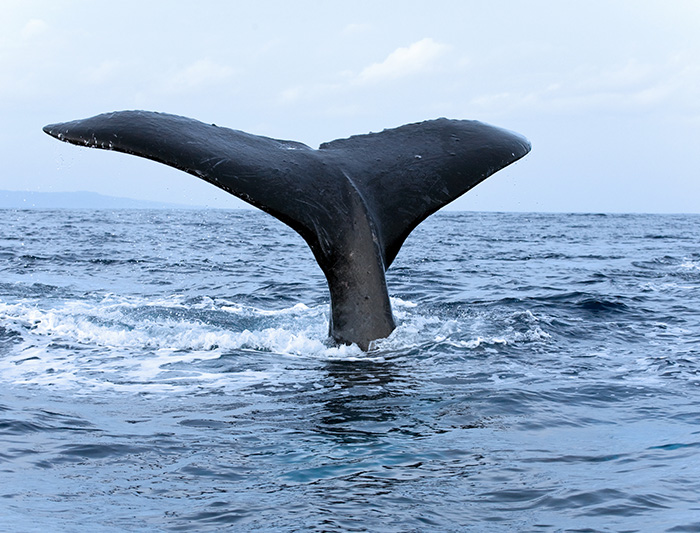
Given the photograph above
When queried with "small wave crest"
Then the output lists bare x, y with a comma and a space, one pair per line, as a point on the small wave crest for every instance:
512, 329
690, 264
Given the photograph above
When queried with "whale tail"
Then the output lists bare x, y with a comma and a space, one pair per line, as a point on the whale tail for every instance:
354, 201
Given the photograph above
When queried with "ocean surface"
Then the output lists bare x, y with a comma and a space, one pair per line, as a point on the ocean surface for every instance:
170, 371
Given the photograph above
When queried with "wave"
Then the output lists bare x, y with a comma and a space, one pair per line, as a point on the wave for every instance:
690, 264
132, 342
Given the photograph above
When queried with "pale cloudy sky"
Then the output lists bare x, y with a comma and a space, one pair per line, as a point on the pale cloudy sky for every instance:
608, 92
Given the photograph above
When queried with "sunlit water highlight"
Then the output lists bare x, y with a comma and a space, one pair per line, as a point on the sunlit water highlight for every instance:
170, 371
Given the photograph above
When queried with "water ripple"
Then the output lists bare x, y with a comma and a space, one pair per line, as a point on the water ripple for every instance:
170, 371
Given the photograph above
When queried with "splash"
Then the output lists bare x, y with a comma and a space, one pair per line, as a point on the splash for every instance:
165, 343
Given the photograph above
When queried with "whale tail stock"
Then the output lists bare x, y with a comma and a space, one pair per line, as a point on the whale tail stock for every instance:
354, 201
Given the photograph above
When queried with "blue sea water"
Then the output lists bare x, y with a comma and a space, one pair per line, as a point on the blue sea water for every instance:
170, 371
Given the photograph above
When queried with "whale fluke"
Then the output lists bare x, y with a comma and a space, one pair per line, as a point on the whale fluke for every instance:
354, 201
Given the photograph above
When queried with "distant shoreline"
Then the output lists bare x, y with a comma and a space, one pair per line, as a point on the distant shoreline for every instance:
79, 200
92, 200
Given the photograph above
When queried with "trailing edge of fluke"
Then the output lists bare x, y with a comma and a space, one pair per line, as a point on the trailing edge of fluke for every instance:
354, 201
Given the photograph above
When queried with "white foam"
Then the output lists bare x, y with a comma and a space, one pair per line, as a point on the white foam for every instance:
115, 343
134, 343
690, 264
399, 303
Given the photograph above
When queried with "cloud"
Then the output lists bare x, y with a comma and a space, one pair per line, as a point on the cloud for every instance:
616, 79
402, 62
308, 92
632, 87
412, 60
34, 28
200, 74
105, 72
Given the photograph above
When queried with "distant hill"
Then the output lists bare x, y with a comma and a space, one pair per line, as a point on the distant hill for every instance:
76, 200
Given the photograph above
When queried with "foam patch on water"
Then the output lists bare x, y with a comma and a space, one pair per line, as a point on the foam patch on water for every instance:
514, 328
127, 344
164, 343
157, 344
690, 264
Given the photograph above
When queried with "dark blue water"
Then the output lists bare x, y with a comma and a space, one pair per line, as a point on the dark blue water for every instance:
169, 371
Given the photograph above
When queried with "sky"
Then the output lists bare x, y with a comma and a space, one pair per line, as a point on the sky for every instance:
608, 92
